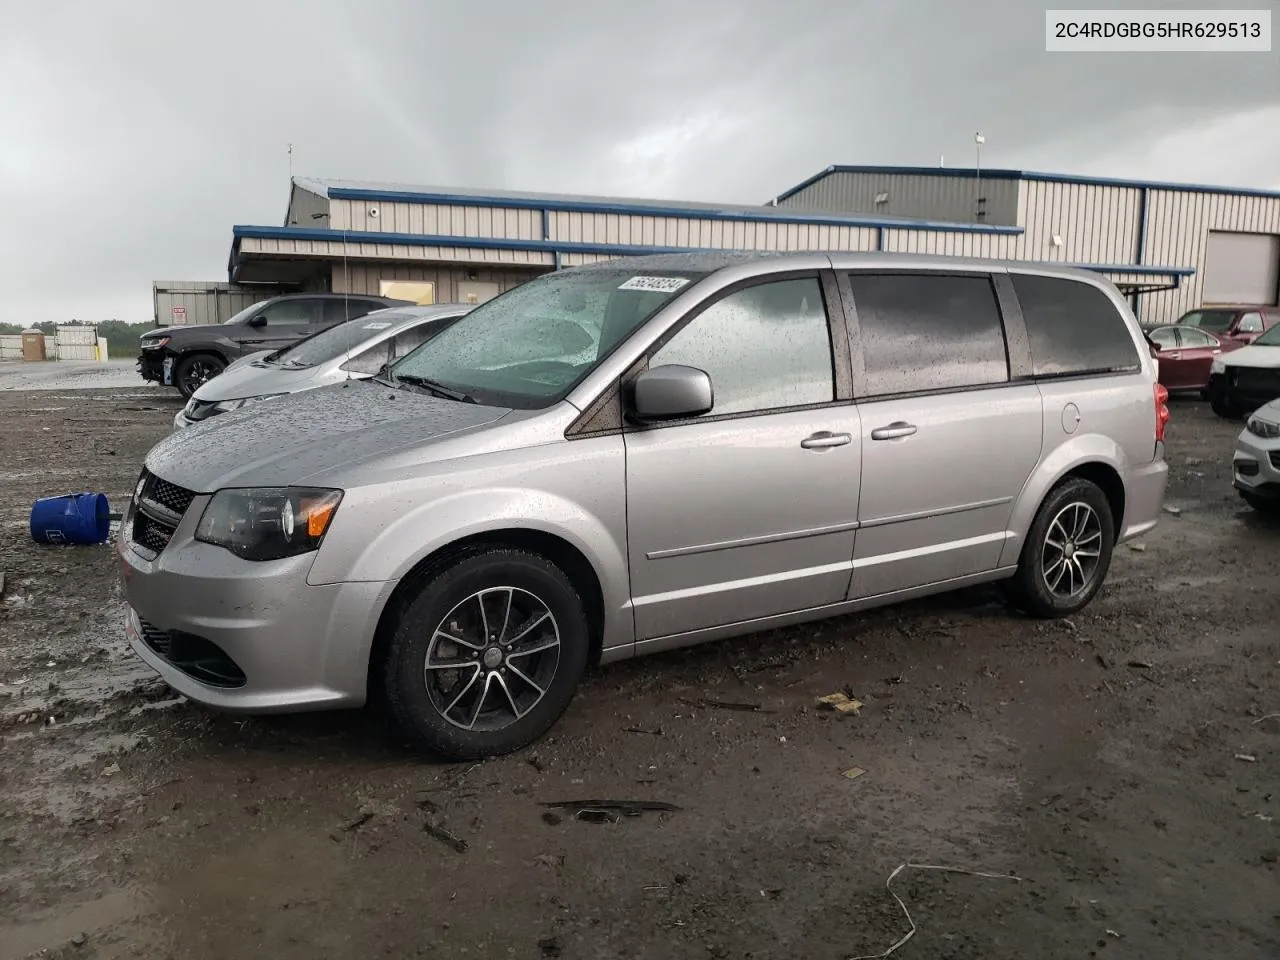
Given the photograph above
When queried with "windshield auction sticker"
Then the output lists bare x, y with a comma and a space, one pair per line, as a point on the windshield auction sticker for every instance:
655, 284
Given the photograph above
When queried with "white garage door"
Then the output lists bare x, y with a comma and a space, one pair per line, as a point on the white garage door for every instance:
1241, 268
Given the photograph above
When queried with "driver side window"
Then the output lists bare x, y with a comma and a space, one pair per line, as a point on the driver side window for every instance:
766, 347
369, 362
290, 313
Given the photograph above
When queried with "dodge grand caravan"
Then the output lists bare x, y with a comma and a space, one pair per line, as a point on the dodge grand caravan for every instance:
637, 455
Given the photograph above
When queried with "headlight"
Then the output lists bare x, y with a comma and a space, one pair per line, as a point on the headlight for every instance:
1263, 428
1217, 366
155, 344
226, 406
268, 523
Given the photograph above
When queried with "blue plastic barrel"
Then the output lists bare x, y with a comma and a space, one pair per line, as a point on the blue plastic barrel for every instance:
81, 518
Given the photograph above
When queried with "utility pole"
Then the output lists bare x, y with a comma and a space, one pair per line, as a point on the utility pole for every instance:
978, 204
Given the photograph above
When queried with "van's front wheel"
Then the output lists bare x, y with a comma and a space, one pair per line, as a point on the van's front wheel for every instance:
1067, 551
487, 656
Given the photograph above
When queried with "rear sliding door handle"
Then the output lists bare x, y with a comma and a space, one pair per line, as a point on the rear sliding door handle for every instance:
825, 438
894, 430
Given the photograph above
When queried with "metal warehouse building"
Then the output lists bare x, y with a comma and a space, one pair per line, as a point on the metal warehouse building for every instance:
1170, 246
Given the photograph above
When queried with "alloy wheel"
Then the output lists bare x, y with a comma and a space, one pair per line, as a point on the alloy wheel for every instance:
197, 374
1072, 549
492, 658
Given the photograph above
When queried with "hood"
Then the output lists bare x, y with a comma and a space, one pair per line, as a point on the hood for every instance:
179, 331
250, 358
253, 378
296, 439
1253, 356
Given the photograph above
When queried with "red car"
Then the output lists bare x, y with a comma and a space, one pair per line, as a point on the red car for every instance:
1232, 321
1185, 354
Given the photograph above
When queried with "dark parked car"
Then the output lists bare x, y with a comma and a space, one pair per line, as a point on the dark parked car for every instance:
1233, 321
1185, 355
186, 357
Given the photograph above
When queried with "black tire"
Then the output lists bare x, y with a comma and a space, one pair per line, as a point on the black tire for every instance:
194, 370
1031, 588
1264, 505
1218, 401
522, 579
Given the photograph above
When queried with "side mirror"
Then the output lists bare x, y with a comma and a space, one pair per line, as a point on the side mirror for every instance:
671, 392
258, 321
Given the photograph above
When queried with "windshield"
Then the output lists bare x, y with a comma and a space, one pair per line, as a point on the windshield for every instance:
1219, 321
1269, 339
338, 340
244, 315
529, 347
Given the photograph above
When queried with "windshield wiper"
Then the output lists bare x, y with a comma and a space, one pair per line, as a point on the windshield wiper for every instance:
437, 388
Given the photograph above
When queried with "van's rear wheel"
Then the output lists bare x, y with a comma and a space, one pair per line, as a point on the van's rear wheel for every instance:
487, 656
1067, 551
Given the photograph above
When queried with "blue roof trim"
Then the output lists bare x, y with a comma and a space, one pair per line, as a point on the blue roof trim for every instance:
555, 247
763, 215
997, 174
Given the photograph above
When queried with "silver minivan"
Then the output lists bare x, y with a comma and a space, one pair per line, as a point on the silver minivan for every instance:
637, 455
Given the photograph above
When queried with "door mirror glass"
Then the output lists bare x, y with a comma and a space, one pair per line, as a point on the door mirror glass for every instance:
258, 321
671, 392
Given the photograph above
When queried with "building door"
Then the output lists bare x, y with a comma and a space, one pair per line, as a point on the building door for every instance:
1241, 268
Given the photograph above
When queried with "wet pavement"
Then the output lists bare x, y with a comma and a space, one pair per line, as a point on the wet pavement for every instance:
18, 375
1122, 765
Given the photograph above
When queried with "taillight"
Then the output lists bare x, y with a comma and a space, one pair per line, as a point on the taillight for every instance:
1162, 410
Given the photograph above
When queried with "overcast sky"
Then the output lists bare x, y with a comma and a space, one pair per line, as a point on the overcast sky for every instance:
134, 134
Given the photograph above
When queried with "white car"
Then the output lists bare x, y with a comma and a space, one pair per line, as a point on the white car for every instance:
1247, 378
1256, 465
357, 349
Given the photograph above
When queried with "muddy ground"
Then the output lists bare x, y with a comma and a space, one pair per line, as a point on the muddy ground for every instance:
1123, 765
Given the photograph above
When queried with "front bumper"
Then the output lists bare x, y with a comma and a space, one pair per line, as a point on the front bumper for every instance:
1248, 388
1144, 497
265, 640
151, 365
1255, 466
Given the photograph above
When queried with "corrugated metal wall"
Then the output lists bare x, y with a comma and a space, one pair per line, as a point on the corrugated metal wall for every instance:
942, 197
77, 342
204, 302
1095, 223
1178, 225
364, 277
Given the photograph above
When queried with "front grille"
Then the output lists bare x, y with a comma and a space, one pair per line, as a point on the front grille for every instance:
157, 512
1254, 378
168, 495
197, 657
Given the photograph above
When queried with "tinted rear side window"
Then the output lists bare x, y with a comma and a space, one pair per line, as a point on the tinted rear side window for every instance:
1073, 328
928, 332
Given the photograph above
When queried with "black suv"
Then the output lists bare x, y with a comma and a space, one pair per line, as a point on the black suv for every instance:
185, 357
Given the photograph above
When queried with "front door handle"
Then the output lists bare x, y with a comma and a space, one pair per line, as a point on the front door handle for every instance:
893, 431
824, 439
1174, 356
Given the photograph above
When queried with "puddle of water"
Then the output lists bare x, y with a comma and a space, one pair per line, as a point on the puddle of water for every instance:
19, 940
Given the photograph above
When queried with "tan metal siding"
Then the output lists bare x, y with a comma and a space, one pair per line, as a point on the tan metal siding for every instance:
363, 278
333, 250
942, 197
204, 302
1097, 224
1178, 225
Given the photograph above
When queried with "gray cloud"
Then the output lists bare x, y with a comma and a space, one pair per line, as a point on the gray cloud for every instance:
133, 140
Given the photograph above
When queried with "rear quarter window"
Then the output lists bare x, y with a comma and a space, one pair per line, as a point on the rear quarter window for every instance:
1073, 328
